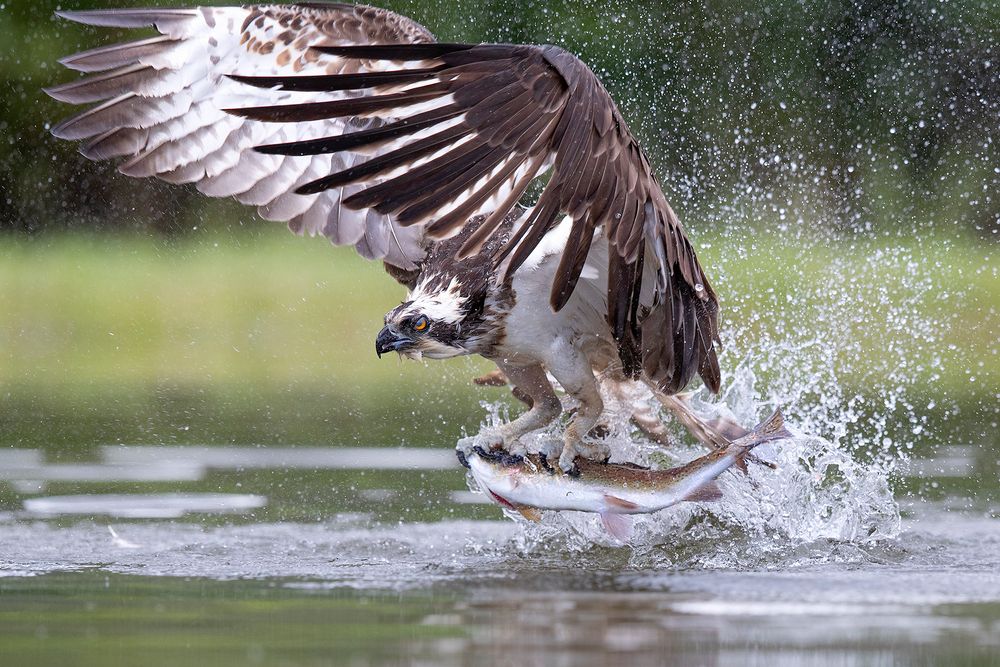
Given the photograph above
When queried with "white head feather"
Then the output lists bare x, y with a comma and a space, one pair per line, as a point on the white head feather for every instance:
439, 305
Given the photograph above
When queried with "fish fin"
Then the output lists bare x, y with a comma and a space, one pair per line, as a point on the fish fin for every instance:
619, 526
705, 493
619, 503
761, 462
772, 428
741, 464
530, 513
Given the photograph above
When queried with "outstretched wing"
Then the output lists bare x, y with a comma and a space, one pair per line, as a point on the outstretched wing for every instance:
370, 133
160, 106
481, 122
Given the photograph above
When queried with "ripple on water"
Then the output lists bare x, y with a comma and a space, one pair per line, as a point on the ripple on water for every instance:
143, 505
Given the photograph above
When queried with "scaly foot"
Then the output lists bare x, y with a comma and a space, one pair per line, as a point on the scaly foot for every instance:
595, 450
490, 440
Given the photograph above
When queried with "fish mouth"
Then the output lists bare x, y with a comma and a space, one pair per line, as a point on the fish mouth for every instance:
500, 500
479, 464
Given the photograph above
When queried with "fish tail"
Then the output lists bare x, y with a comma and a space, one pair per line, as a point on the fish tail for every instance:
737, 453
772, 428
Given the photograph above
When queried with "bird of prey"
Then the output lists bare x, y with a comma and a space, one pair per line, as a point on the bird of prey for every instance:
354, 123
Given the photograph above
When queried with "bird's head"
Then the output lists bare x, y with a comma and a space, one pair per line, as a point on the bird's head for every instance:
433, 323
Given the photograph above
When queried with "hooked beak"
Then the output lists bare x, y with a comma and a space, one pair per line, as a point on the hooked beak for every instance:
390, 341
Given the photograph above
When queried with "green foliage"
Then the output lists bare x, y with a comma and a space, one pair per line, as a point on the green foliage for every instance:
214, 338
268, 338
852, 114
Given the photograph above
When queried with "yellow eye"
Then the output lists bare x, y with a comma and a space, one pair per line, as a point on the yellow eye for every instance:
421, 324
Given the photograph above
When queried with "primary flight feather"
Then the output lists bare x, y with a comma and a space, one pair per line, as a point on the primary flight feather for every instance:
352, 122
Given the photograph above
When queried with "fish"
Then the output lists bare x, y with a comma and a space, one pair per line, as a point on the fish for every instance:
529, 484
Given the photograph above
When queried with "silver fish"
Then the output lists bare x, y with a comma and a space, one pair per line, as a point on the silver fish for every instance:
614, 490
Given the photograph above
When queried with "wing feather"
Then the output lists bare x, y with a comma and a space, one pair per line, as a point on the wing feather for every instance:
370, 133
160, 101
600, 178
165, 20
150, 51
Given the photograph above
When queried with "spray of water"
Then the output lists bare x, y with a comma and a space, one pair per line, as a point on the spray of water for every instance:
844, 350
819, 494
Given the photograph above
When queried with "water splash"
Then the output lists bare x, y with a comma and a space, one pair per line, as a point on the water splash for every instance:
820, 502
853, 343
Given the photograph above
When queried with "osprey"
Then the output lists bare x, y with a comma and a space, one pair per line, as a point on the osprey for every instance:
352, 122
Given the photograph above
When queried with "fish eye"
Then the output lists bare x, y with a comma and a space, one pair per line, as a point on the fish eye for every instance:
420, 324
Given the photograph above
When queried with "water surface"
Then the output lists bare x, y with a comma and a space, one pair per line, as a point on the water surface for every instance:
299, 556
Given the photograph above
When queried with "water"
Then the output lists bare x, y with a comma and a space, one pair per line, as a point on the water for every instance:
875, 542
837, 188
298, 556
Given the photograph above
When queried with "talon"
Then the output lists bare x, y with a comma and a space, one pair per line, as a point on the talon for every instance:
592, 451
600, 431
486, 455
461, 458
510, 460
499, 455
567, 460
544, 460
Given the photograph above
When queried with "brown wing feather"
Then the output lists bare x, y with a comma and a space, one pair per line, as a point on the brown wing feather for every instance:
436, 133
543, 101
160, 100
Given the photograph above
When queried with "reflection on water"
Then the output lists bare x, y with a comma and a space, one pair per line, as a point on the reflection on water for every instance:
953, 461
298, 556
651, 629
309, 458
174, 471
143, 505
457, 593
28, 473
189, 463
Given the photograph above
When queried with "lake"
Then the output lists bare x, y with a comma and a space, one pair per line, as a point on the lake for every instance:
232, 476
166, 555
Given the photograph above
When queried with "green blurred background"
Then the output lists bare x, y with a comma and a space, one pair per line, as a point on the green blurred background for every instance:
835, 162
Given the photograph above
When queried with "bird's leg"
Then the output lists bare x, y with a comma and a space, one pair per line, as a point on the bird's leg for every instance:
496, 378
575, 374
545, 406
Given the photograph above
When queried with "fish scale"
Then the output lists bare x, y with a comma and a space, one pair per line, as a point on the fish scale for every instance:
528, 484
